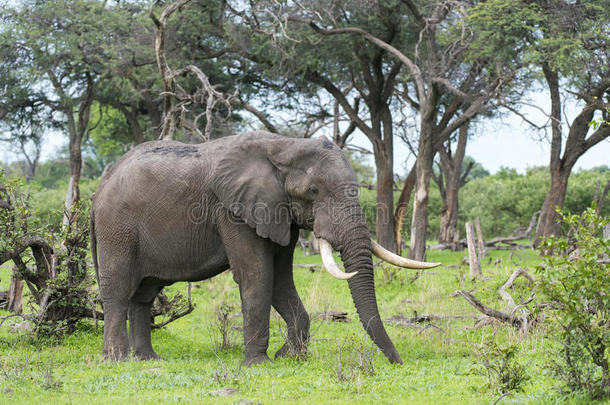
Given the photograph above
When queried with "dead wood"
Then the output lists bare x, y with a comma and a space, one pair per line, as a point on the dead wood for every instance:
14, 295
522, 321
509, 283
335, 316
510, 240
480, 242
400, 319
177, 102
473, 257
498, 243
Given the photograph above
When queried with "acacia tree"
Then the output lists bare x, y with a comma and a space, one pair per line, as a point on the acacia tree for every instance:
566, 45
59, 60
572, 54
448, 85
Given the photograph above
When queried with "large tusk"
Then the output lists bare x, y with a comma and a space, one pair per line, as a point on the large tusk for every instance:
396, 260
326, 251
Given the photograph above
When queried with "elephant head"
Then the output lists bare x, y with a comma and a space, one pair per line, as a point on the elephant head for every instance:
272, 182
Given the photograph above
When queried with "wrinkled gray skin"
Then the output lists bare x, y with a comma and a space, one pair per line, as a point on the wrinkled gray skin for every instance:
170, 212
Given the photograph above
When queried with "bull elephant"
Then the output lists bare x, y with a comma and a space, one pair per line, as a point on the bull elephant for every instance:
168, 212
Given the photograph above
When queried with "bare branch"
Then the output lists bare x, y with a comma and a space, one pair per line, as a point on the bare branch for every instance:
413, 68
176, 99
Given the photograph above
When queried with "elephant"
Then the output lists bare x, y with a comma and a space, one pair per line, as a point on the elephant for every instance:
169, 211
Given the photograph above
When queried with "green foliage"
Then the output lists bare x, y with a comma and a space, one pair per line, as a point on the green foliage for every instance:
110, 136
575, 279
504, 371
502, 28
70, 281
19, 221
507, 200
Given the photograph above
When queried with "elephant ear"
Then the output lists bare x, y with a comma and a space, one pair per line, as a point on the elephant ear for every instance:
249, 186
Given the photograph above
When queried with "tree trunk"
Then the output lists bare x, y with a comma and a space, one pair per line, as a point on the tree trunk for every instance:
401, 207
131, 116
547, 224
449, 215
384, 226
384, 164
15, 292
473, 258
425, 156
451, 170
76, 165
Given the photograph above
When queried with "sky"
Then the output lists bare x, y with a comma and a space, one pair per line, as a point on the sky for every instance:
495, 143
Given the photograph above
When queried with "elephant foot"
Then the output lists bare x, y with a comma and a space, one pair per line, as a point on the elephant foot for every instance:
256, 359
147, 355
292, 350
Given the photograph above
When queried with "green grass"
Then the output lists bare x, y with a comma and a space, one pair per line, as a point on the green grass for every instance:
438, 367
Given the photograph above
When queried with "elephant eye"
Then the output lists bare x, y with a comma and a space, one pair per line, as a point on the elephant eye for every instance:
313, 191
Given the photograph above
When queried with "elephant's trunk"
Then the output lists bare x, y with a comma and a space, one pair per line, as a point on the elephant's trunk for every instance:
356, 256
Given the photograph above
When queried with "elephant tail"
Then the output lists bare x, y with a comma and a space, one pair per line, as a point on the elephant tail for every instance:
93, 240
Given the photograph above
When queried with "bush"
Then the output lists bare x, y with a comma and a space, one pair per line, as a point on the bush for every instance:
575, 279
504, 371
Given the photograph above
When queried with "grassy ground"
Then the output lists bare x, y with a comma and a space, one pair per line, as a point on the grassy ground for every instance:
439, 367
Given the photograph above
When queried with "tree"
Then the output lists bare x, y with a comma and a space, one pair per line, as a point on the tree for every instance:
25, 132
451, 177
59, 61
445, 83
572, 53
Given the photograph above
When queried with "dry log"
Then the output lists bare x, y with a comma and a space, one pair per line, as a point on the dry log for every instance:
511, 239
399, 319
335, 316
521, 322
473, 259
509, 283
480, 243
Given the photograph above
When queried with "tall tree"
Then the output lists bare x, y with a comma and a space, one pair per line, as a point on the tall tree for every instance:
61, 49
448, 84
572, 53
566, 44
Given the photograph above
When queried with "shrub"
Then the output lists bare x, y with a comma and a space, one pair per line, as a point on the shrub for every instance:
504, 372
575, 279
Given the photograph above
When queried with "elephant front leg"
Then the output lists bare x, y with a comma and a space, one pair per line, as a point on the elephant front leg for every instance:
251, 261
288, 304
256, 306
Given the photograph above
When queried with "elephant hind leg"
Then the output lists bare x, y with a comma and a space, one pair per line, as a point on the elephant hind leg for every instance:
139, 315
116, 346
114, 302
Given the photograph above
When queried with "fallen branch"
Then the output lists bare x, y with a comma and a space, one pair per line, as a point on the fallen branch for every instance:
509, 241
399, 319
490, 312
509, 283
335, 316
